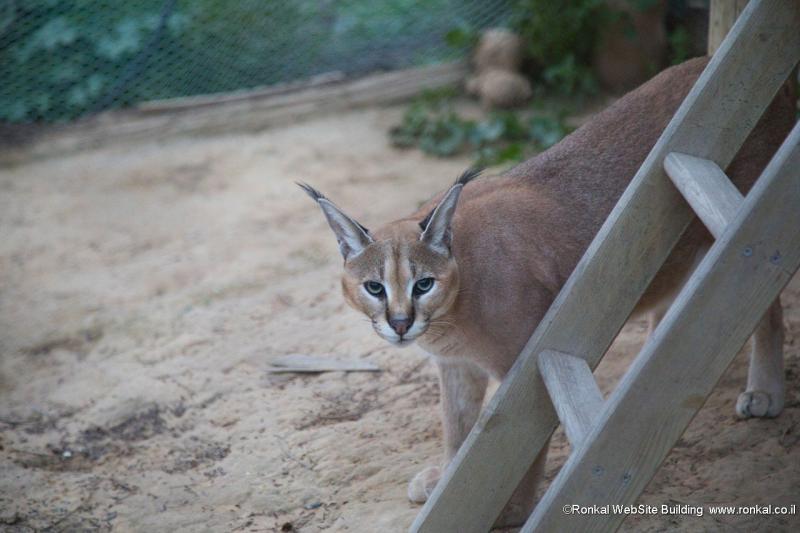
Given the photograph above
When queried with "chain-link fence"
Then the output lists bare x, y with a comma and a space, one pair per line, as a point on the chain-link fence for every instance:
62, 59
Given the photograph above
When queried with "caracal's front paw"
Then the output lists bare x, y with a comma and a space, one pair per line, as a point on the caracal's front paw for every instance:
758, 403
423, 484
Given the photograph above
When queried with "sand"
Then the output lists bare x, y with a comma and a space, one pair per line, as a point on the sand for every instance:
144, 290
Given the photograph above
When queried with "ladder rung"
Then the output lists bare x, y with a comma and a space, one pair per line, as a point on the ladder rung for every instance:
573, 391
707, 189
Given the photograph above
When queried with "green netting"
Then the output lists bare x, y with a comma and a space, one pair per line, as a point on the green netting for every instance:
62, 59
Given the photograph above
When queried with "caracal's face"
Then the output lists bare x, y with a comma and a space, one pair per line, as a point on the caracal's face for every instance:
400, 283
403, 276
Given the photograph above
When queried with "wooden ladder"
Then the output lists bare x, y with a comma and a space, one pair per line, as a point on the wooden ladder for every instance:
618, 444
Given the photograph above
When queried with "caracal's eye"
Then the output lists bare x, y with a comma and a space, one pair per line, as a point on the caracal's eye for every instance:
422, 286
374, 288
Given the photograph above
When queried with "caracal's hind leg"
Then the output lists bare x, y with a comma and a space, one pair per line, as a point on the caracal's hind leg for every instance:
670, 283
655, 315
523, 500
765, 378
463, 387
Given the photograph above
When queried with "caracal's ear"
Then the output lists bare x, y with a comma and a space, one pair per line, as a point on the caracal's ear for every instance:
352, 236
436, 226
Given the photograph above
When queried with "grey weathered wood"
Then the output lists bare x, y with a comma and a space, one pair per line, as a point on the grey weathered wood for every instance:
573, 391
722, 15
705, 186
715, 118
669, 381
182, 103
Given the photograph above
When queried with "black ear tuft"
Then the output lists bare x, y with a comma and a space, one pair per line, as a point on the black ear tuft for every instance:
468, 175
465, 177
311, 191
317, 196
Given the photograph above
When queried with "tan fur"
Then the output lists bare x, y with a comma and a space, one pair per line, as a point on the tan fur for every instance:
516, 239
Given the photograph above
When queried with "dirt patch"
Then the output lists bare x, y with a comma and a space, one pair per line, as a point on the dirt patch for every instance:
144, 290
79, 343
136, 427
198, 454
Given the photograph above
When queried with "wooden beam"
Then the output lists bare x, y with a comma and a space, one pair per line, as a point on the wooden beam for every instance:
669, 381
573, 391
708, 190
183, 103
712, 122
722, 15
239, 112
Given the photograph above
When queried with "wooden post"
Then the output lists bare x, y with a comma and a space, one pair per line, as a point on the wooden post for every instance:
721, 16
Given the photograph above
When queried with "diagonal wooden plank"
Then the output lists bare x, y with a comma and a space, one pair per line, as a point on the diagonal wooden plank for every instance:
669, 381
708, 190
573, 391
713, 121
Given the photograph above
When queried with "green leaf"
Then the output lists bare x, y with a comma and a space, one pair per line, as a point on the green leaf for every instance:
126, 39
461, 37
54, 33
487, 132
432, 124
512, 152
14, 111
680, 45
546, 131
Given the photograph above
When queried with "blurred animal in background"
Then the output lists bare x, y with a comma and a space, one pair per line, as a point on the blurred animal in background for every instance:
496, 62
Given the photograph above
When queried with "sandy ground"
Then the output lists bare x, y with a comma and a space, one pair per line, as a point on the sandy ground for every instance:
144, 290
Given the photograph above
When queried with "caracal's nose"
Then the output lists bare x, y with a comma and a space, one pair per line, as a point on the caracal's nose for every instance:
401, 324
